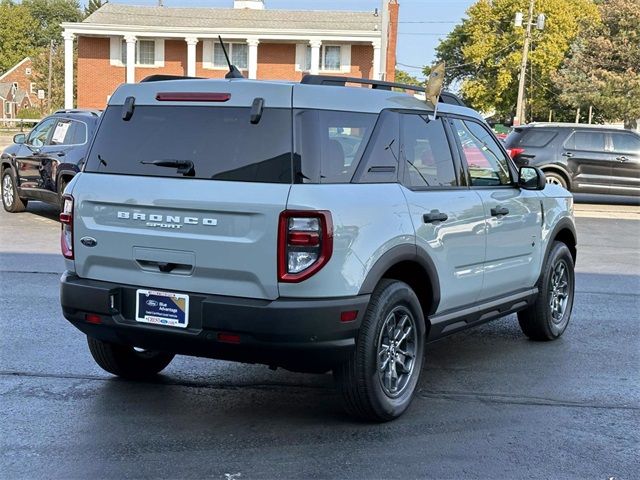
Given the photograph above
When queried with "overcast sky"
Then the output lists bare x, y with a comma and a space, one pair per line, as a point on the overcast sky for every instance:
422, 22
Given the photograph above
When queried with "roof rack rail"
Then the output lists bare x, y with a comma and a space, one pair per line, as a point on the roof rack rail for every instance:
164, 78
75, 110
335, 81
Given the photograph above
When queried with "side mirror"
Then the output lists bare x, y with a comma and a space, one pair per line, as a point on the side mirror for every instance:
531, 178
19, 138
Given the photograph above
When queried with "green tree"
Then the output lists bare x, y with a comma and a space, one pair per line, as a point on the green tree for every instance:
93, 5
483, 54
49, 14
404, 77
610, 79
17, 34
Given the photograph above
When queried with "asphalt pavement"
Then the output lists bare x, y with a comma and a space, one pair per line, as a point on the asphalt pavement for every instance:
491, 404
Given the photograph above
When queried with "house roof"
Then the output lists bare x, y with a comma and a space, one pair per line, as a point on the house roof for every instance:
6, 90
129, 15
25, 59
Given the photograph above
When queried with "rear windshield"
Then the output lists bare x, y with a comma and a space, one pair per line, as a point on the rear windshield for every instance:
529, 137
221, 143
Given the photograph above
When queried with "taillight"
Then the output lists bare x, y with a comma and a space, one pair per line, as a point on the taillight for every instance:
66, 219
305, 244
514, 152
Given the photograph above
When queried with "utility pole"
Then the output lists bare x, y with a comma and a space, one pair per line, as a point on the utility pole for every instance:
519, 120
50, 76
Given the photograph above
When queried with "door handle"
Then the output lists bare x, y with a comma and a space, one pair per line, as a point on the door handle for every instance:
61, 154
435, 216
622, 159
567, 154
498, 210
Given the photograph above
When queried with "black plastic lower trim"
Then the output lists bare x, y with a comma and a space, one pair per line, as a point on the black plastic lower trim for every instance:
454, 321
298, 334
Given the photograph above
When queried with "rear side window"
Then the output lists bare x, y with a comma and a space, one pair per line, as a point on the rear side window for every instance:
221, 142
426, 153
330, 144
530, 137
625, 143
591, 141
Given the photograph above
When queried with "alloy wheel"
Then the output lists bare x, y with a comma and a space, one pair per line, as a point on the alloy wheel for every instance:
7, 190
553, 181
397, 344
559, 291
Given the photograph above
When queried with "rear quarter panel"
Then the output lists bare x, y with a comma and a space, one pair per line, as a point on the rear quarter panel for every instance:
368, 220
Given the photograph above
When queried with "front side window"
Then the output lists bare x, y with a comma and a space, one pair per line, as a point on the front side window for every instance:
625, 143
40, 134
329, 144
488, 166
238, 54
426, 153
69, 132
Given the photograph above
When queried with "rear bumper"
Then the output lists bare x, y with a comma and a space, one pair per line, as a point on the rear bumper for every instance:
297, 334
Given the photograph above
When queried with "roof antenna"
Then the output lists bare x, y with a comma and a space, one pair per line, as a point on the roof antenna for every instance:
233, 70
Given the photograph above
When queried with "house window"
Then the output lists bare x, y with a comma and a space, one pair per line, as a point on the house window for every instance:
330, 58
32, 87
27, 71
145, 52
238, 53
7, 108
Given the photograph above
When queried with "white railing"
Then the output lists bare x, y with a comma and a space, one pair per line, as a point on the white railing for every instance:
19, 122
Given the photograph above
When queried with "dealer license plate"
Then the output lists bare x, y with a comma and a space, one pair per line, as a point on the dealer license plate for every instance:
162, 308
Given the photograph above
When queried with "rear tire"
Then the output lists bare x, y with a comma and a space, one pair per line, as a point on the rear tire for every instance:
378, 381
548, 317
125, 361
554, 178
10, 200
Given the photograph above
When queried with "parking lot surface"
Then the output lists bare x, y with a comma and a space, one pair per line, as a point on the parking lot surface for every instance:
491, 404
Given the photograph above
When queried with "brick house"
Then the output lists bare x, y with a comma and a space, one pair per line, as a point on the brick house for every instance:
124, 43
17, 87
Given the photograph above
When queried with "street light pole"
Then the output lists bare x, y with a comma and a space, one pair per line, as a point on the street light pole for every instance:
519, 120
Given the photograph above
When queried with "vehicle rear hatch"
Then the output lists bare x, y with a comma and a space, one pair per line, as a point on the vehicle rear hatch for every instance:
206, 219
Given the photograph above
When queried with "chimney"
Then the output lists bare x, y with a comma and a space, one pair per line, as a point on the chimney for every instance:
251, 4
392, 12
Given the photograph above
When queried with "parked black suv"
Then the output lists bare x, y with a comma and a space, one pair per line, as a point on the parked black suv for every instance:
581, 158
40, 164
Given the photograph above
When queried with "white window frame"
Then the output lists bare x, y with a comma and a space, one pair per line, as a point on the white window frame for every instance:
208, 49
303, 60
32, 88
27, 71
117, 44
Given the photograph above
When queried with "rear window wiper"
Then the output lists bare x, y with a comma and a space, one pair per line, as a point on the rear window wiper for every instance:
185, 167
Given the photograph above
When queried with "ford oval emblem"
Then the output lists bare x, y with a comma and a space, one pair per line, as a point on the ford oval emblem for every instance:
88, 241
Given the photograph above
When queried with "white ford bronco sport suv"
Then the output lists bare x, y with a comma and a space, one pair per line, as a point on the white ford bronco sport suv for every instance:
312, 226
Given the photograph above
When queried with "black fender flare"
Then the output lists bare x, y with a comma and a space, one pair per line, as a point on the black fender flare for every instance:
65, 169
564, 223
402, 253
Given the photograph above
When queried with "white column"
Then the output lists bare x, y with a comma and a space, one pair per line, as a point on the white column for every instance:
376, 59
253, 57
315, 56
68, 69
192, 42
131, 58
